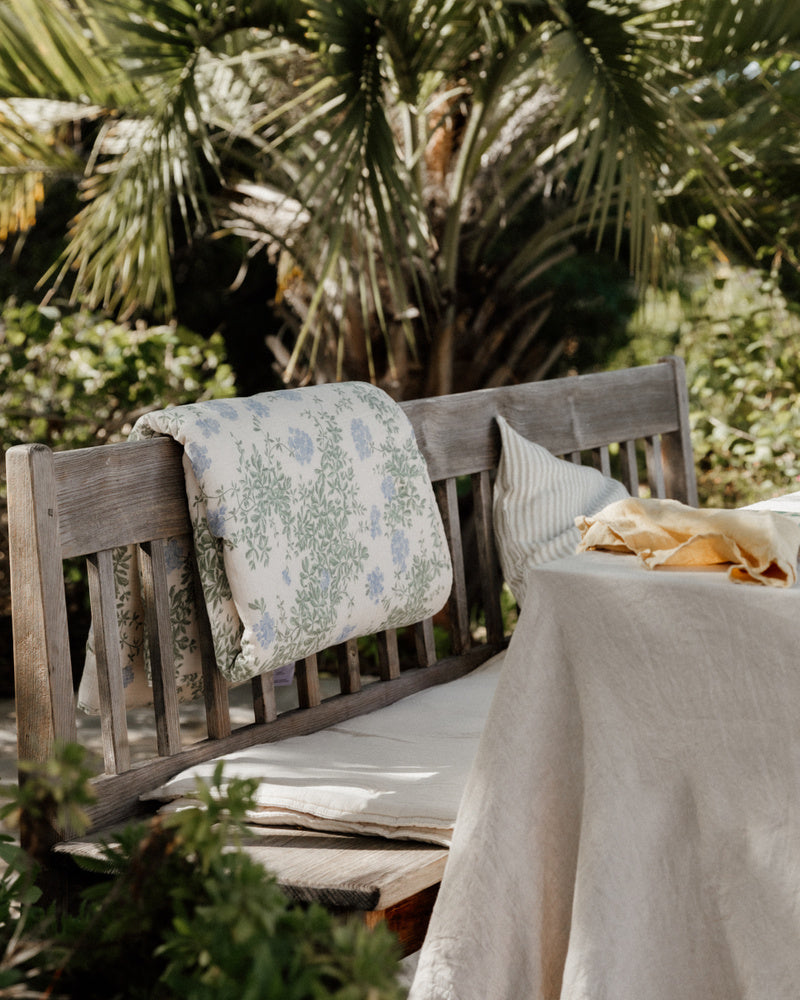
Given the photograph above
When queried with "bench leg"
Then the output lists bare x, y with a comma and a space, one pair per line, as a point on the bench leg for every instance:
408, 919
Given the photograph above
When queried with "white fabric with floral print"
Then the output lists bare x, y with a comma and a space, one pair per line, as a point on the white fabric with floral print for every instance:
314, 521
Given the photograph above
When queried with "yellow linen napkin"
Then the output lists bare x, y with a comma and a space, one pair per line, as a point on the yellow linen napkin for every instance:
761, 546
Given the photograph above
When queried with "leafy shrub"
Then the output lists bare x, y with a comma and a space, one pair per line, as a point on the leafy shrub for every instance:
744, 372
56, 793
741, 343
72, 380
185, 916
75, 380
27, 955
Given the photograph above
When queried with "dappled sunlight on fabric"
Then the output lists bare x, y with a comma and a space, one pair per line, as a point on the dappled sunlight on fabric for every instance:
400, 769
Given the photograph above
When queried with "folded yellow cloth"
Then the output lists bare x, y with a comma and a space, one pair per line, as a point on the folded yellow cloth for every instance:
761, 545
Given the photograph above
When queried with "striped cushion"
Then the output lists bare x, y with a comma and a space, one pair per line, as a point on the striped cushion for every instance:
536, 500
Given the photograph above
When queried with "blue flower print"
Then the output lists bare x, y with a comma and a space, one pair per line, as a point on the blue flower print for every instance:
286, 578
209, 426
301, 445
375, 584
264, 630
216, 520
345, 634
293, 394
388, 487
324, 580
128, 675
257, 406
174, 554
374, 522
400, 550
226, 410
199, 457
362, 438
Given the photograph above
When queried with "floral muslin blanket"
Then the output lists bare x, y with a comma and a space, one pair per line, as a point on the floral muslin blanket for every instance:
314, 521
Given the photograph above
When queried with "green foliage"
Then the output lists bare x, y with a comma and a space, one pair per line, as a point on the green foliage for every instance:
741, 343
54, 793
594, 300
414, 170
743, 362
184, 915
26, 951
72, 380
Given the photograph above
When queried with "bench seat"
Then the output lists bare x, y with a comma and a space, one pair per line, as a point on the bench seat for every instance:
630, 424
388, 881
399, 771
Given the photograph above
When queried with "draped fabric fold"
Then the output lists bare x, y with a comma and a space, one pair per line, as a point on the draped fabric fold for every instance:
761, 546
313, 521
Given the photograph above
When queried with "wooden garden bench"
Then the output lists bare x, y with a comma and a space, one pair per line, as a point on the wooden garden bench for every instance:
87, 502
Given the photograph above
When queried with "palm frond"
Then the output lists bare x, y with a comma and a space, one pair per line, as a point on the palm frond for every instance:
122, 242
728, 32
402, 153
614, 59
351, 176
30, 154
44, 53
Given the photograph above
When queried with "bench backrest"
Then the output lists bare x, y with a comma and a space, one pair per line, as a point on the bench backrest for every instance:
87, 502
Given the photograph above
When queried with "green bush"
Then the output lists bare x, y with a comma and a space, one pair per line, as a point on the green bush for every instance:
741, 343
184, 916
31, 957
79, 379
72, 380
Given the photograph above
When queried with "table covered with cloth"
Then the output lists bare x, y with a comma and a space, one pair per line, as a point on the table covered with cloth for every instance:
631, 826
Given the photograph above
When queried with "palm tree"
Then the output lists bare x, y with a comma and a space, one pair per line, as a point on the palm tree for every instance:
416, 169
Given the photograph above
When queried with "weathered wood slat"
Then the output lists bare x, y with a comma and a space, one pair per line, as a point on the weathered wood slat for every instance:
107, 647
447, 497
155, 594
425, 643
388, 655
342, 871
42, 663
110, 497
349, 667
655, 468
630, 467
680, 480
488, 563
603, 460
265, 708
307, 676
458, 436
215, 688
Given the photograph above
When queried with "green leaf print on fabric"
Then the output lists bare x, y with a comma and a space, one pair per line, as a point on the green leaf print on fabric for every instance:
313, 518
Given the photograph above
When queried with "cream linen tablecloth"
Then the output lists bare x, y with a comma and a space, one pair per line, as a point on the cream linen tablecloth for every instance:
631, 826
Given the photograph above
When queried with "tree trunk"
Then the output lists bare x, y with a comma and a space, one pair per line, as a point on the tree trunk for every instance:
440, 370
